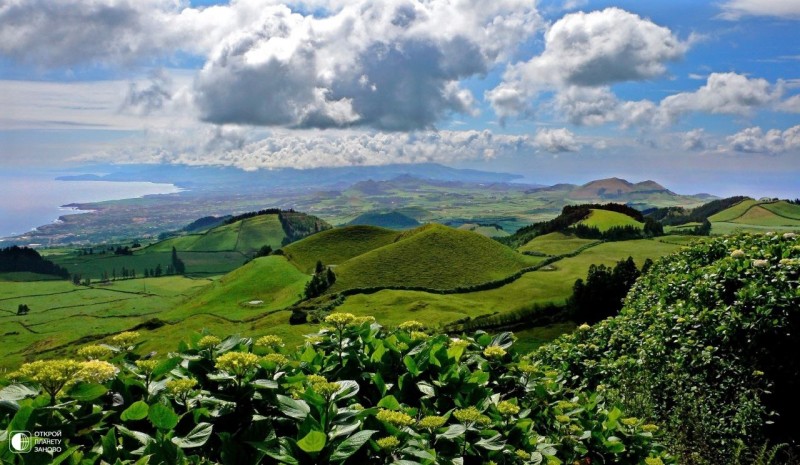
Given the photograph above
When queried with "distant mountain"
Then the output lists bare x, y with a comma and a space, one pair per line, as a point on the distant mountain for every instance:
615, 188
229, 178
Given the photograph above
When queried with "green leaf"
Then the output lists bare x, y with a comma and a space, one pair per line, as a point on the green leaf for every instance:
137, 411
453, 431
313, 442
143, 438
347, 389
351, 445
109, 443
16, 392
292, 408
165, 366
196, 437
163, 417
493, 443
85, 392
411, 365
59, 459
22, 420
377, 354
265, 384
389, 402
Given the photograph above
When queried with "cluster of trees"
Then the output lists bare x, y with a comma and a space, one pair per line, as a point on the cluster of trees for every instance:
17, 259
572, 214
299, 225
23, 309
323, 279
601, 294
672, 216
244, 216
651, 228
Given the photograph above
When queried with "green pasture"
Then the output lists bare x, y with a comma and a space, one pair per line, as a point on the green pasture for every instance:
433, 256
605, 220
556, 243
335, 246
61, 314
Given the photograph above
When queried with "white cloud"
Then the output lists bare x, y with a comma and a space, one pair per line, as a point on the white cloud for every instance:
724, 93
590, 50
392, 65
556, 140
790, 105
755, 140
254, 149
694, 140
735, 9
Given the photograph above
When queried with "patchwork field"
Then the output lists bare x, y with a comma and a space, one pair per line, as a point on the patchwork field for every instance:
757, 216
605, 220
556, 243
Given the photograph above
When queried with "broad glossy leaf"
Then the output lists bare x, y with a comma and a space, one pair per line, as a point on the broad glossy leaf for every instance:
163, 417
137, 411
313, 442
86, 391
351, 445
196, 437
16, 392
292, 408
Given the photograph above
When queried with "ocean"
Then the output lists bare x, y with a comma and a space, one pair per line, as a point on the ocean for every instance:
30, 200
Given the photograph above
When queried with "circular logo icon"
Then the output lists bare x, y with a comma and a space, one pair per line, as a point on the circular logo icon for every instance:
21, 442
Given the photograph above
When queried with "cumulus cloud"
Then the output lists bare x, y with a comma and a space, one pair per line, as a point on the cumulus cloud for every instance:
735, 9
70, 33
393, 65
790, 105
774, 141
724, 93
590, 50
556, 140
694, 140
261, 149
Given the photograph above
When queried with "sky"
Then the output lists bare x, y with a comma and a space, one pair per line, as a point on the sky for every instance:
699, 96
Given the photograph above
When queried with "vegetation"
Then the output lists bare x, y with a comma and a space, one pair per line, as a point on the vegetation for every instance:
601, 294
337, 245
434, 257
671, 216
703, 347
354, 393
22, 259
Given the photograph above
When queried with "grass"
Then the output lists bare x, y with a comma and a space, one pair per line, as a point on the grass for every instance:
758, 215
605, 220
531, 339
556, 243
62, 314
335, 246
730, 214
488, 231
260, 231
783, 208
433, 256
271, 280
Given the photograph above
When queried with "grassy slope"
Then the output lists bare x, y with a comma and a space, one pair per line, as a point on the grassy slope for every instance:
733, 212
432, 256
335, 246
488, 231
755, 216
272, 280
556, 243
62, 313
538, 287
605, 220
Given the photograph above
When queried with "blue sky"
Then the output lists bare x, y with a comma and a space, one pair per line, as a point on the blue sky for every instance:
700, 96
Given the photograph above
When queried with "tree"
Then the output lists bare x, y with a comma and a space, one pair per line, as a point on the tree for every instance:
177, 264
601, 295
23, 309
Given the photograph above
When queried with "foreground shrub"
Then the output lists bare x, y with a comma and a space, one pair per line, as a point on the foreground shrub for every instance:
355, 393
706, 345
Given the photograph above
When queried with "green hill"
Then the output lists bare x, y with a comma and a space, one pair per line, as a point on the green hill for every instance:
484, 230
433, 256
245, 236
757, 216
335, 246
263, 284
605, 220
555, 244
